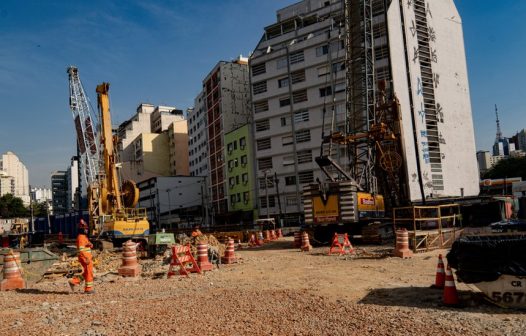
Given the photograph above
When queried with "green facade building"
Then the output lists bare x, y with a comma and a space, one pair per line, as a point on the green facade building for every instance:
240, 177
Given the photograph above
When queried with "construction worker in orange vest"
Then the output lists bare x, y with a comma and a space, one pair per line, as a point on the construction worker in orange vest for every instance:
196, 232
84, 247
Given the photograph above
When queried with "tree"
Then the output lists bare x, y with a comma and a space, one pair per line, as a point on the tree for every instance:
40, 209
511, 167
11, 206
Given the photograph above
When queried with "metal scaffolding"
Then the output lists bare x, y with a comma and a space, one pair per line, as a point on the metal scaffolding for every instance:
360, 102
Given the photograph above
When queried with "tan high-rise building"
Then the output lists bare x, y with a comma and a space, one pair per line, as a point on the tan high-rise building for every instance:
145, 143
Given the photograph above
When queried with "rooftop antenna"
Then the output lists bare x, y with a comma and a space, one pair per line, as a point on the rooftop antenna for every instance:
499, 133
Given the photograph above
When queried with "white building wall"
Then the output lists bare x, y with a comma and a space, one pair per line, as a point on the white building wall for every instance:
198, 137
73, 179
11, 165
457, 169
41, 194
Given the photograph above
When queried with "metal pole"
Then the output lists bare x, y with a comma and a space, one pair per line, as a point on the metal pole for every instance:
48, 219
279, 200
169, 208
32, 219
206, 202
266, 193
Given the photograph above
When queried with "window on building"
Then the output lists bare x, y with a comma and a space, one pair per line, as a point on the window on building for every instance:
271, 202
244, 160
288, 160
284, 101
233, 199
283, 82
262, 144
301, 116
235, 144
291, 200
244, 178
237, 179
337, 45
230, 164
290, 180
299, 96
296, 57
269, 184
323, 70
246, 197
322, 50
303, 136
283, 121
262, 125
297, 76
286, 140
325, 91
231, 182
261, 106
340, 87
258, 69
259, 87
242, 143
338, 66
265, 163
281, 63
304, 156
306, 177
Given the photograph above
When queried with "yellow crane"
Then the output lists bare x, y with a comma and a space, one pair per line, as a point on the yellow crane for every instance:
111, 204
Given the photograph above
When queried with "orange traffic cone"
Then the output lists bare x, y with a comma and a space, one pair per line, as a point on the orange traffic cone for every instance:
202, 257
252, 242
267, 236
229, 256
440, 278
12, 272
130, 267
305, 244
450, 297
260, 238
297, 239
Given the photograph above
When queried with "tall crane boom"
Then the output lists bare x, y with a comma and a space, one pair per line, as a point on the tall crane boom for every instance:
87, 139
111, 181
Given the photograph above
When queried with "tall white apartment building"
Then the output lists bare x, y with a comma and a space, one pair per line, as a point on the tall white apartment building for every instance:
198, 137
14, 177
72, 174
297, 72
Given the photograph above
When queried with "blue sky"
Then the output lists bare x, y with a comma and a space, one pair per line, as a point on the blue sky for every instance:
159, 51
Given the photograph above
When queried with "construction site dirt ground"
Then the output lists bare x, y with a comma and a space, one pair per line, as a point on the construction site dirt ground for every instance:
272, 290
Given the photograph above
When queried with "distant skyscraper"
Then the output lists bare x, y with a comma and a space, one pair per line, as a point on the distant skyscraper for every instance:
59, 190
521, 140
502, 145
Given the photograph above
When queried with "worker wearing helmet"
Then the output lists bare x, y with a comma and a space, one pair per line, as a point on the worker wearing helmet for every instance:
84, 247
196, 232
